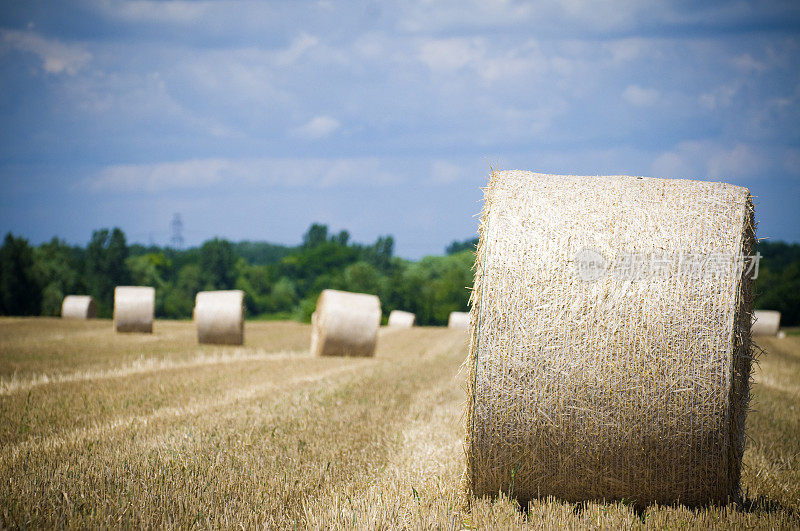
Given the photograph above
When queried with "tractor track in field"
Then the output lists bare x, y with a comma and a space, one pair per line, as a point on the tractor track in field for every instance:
145, 365
234, 396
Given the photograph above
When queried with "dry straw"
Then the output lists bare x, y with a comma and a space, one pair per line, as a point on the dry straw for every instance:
458, 320
766, 323
78, 307
620, 383
345, 324
401, 319
219, 316
133, 308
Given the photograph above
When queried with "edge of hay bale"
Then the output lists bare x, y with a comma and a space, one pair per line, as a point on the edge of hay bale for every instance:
219, 317
401, 319
345, 324
766, 323
78, 307
458, 320
134, 308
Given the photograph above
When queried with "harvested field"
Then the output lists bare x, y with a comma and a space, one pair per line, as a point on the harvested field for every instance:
102, 429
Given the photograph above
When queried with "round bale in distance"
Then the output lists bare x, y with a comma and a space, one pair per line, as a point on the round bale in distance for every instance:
219, 316
78, 307
609, 357
134, 307
766, 323
401, 319
345, 324
458, 320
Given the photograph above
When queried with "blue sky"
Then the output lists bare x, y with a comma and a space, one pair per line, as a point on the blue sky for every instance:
254, 119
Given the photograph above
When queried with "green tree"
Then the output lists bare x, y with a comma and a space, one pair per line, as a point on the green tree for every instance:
457, 246
150, 269
283, 296
105, 267
778, 283
362, 277
20, 293
217, 261
317, 234
436, 286
179, 297
342, 238
380, 253
57, 267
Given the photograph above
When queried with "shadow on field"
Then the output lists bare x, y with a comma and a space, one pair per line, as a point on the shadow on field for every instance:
762, 504
638, 510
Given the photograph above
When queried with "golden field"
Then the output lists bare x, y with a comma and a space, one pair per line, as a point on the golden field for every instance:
99, 429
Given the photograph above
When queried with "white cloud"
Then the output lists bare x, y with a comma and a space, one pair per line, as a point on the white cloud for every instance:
57, 57
270, 172
450, 54
444, 172
627, 50
175, 11
720, 97
747, 63
296, 49
428, 16
318, 127
740, 161
488, 62
709, 160
640, 96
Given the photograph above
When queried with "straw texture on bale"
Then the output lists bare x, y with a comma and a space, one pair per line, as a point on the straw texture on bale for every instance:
134, 307
458, 320
766, 323
401, 319
78, 307
617, 384
345, 324
219, 316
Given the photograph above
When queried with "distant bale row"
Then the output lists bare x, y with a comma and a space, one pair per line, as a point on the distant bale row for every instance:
78, 307
591, 379
219, 315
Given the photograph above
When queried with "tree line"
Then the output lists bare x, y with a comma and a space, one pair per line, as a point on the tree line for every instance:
279, 282
283, 282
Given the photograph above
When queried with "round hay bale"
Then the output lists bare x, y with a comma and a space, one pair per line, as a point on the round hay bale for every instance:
78, 307
401, 319
219, 316
603, 364
458, 320
345, 324
134, 307
766, 323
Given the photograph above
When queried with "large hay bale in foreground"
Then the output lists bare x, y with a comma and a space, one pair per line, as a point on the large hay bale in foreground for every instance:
345, 324
608, 358
458, 320
219, 316
401, 319
766, 323
78, 307
134, 307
